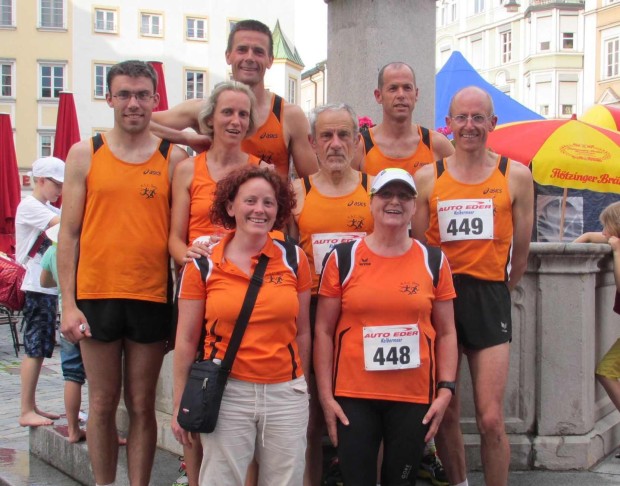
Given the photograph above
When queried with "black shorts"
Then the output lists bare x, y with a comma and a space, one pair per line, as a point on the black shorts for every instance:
397, 424
482, 312
137, 320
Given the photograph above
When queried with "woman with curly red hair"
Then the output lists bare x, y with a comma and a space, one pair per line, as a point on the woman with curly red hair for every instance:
265, 404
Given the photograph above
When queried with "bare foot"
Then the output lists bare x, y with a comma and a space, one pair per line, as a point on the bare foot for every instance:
49, 415
122, 441
33, 419
79, 437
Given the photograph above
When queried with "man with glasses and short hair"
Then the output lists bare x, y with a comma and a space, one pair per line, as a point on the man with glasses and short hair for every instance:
34, 215
114, 266
397, 141
487, 246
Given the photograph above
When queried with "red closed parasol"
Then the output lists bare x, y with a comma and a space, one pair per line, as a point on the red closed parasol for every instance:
161, 85
67, 129
10, 191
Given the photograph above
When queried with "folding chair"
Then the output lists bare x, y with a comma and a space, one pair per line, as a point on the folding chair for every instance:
11, 318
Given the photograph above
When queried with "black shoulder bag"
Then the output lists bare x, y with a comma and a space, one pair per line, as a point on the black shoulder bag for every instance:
200, 403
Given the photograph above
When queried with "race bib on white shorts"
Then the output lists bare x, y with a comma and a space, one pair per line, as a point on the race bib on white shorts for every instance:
391, 347
465, 219
322, 243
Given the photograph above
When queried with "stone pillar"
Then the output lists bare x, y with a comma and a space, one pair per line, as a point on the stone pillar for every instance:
568, 434
364, 35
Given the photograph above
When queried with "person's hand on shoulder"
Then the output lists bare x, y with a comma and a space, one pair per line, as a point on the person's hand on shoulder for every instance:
202, 246
197, 141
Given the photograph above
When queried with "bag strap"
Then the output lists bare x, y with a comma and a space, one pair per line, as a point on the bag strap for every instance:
246, 311
37, 244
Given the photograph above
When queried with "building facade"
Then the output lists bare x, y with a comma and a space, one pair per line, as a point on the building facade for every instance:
557, 57
48, 46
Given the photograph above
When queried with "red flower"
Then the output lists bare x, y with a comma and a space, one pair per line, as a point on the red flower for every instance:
365, 122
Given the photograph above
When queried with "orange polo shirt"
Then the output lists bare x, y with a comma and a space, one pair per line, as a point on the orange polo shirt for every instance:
385, 291
268, 351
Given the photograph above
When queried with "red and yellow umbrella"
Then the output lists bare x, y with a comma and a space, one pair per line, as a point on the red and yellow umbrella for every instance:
604, 116
565, 153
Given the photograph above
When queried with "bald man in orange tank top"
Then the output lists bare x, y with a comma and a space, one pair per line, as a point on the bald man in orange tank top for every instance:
479, 208
114, 267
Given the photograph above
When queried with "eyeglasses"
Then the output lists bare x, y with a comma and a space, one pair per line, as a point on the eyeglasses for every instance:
140, 96
402, 196
475, 119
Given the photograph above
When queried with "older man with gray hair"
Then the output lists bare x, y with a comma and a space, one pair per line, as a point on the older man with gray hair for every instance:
342, 192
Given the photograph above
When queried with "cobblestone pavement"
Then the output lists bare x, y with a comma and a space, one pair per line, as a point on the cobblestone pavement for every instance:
49, 390
19, 468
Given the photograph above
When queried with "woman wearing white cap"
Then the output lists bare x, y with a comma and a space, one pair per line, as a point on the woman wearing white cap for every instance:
385, 349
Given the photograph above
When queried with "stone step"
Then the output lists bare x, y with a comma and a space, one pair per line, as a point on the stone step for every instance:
50, 445
20, 468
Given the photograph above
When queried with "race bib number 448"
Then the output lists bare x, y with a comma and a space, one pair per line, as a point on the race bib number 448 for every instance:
391, 347
465, 219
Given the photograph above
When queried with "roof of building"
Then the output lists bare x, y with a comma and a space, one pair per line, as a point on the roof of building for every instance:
283, 48
320, 67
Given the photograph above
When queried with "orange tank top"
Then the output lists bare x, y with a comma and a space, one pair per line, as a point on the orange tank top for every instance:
473, 222
349, 215
124, 239
268, 142
202, 191
376, 161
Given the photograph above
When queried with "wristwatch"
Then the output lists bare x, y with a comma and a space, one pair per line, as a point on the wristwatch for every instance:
450, 385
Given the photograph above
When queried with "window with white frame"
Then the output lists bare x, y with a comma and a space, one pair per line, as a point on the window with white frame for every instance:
7, 82
151, 24
196, 28
46, 144
195, 84
52, 14
100, 79
568, 98
105, 21
448, 11
568, 27
478, 6
543, 33
51, 80
477, 53
292, 91
6, 13
543, 94
506, 46
611, 59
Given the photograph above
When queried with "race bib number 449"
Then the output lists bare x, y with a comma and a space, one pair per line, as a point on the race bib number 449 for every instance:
391, 347
465, 219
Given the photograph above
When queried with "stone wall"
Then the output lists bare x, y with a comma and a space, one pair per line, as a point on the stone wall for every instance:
557, 417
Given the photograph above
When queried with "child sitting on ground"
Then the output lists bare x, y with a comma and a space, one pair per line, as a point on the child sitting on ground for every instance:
608, 370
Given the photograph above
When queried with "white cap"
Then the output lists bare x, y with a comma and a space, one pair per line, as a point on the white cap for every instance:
51, 167
52, 233
392, 174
